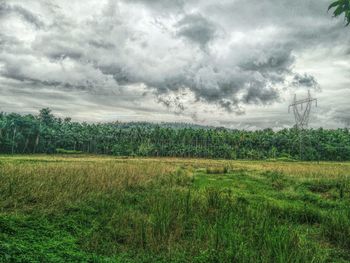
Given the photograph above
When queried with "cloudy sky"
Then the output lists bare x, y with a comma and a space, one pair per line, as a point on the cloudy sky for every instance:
233, 63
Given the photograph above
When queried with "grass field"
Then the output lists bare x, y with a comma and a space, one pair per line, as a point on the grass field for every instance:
105, 209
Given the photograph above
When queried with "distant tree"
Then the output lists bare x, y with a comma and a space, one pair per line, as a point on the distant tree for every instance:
46, 116
44, 133
341, 7
145, 149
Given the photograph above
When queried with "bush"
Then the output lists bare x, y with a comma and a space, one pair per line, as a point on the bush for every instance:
286, 159
64, 151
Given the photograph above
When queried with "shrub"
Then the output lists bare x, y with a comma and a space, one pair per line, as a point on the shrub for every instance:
64, 151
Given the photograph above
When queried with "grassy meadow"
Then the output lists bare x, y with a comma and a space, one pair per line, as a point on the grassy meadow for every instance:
105, 209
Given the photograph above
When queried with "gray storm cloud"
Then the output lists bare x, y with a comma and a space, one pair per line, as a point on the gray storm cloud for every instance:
306, 81
196, 28
26, 15
230, 55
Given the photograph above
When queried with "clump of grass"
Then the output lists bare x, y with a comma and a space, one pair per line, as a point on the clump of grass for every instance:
217, 170
338, 189
320, 186
214, 200
343, 188
299, 214
336, 228
276, 179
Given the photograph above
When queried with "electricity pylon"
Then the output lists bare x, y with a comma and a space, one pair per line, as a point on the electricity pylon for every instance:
302, 116
301, 110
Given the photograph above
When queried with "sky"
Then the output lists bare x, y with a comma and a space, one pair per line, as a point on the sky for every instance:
231, 63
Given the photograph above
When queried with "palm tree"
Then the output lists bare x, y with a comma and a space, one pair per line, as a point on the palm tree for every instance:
341, 7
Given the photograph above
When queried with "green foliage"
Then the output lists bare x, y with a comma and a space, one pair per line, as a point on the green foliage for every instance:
64, 151
45, 133
146, 149
341, 7
35, 239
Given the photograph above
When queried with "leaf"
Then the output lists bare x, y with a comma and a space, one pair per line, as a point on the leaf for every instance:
334, 4
347, 17
341, 6
338, 11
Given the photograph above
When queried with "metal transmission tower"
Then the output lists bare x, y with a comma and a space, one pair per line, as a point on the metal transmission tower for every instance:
302, 116
301, 110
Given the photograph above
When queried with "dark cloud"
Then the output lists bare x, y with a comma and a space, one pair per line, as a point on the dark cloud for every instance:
196, 28
258, 93
28, 16
174, 103
101, 44
306, 81
273, 62
58, 48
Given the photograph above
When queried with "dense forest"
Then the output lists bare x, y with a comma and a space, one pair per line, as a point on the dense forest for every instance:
46, 133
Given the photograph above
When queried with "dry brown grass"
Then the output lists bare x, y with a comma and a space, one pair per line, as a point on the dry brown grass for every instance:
54, 181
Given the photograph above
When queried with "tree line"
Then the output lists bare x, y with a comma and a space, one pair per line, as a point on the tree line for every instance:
45, 133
